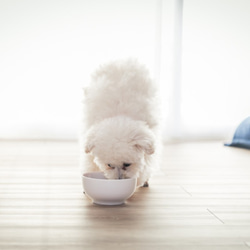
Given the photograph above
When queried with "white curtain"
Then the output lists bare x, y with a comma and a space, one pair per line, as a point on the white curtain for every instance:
215, 86
197, 51
208, 78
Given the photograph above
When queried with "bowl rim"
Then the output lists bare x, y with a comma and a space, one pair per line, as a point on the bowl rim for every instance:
109, 180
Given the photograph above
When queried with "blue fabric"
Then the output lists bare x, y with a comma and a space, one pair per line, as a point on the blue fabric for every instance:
241, 137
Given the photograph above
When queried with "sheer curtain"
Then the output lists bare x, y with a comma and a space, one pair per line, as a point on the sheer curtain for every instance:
197, 51
210, 84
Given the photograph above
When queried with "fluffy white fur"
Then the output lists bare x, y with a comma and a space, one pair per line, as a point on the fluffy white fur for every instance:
120, 121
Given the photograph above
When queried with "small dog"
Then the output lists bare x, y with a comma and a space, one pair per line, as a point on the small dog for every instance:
120, 122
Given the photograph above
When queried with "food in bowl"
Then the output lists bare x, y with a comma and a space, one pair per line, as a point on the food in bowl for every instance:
105, 191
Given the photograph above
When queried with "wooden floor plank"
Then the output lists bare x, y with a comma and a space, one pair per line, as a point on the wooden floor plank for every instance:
200, 199
156, 245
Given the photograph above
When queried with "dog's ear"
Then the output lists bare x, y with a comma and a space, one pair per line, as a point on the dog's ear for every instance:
146, 146
89, 147
89, 143
145, 142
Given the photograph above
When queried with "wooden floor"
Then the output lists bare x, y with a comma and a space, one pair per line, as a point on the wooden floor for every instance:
200, 201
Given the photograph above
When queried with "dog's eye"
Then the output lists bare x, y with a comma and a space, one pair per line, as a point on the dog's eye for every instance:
110, 165
126, 165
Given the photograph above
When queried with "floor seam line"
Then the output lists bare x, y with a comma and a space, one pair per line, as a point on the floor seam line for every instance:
215, 216
246, 244
186, 191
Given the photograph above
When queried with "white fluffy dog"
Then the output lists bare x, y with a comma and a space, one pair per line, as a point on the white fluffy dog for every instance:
120, 122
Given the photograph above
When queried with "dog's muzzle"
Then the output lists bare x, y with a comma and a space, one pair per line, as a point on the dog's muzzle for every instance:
119, 173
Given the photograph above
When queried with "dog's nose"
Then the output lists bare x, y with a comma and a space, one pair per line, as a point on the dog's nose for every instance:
119, 173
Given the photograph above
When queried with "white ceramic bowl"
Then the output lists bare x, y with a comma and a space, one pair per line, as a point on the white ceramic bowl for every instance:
104, 191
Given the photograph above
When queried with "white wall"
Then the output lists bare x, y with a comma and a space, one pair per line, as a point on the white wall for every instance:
48, 50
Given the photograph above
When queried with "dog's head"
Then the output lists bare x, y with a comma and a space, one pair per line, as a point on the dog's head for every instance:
119, 146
